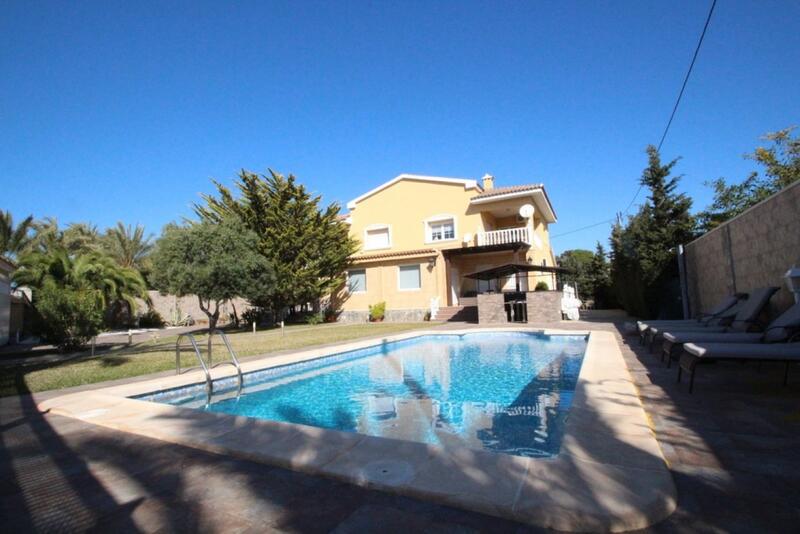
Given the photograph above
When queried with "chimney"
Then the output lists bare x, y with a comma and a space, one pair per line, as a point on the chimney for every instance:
488, 182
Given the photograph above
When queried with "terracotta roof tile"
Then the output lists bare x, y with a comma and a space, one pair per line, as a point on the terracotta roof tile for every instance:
395, 254
505, 190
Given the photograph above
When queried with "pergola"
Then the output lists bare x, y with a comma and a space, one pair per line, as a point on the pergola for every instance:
509, 269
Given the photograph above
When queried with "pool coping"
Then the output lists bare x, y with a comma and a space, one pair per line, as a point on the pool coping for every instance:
610, 474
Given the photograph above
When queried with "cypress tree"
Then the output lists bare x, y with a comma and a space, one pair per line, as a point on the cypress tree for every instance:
308, 246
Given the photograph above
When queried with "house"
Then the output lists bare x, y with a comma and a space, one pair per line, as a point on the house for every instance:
6, 268
422, 235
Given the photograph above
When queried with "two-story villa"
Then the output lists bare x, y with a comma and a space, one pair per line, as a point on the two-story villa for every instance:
421, 236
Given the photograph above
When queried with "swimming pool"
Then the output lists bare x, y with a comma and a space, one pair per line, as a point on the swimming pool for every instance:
505, 392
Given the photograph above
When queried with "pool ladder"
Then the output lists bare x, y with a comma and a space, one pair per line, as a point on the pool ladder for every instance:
206, 367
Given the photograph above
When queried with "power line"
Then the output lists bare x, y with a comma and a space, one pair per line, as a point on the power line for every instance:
584, 228
669, 123
688, 73
680, 94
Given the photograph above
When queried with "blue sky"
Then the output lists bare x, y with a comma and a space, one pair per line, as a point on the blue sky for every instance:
125, 110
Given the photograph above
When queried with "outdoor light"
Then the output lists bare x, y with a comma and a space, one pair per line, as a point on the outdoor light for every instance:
432, 262
793, 281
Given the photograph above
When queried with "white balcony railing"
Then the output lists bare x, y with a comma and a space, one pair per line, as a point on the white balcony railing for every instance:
504, 237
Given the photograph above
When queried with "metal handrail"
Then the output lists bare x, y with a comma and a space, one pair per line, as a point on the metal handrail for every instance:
190, 337
207, 367
234, 360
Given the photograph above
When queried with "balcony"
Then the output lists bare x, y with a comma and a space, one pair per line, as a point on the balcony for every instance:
506, 236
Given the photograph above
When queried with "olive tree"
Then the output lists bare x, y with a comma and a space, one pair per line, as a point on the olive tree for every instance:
215, 262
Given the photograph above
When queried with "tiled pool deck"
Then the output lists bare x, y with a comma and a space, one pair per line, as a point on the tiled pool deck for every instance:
731, 450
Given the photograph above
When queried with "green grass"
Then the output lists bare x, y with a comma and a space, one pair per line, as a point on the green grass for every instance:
122, 361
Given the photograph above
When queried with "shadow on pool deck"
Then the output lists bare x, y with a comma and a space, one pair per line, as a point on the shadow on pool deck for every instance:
732, 449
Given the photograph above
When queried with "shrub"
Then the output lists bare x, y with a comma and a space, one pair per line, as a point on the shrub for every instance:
151, 319
69, 318
314, 318
541, 286
377, 311
259, 315
331, 314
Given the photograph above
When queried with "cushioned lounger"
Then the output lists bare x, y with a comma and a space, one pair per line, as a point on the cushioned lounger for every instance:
781, 329
704, 318
695, 353
747, 312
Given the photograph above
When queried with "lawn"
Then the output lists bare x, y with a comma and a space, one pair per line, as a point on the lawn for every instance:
122, 361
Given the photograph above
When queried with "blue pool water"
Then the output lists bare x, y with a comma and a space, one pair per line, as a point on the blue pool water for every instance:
503, 392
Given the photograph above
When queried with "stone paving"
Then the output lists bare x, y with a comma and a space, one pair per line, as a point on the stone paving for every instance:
732, 447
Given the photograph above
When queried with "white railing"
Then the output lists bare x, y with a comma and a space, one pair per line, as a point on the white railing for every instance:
504, 237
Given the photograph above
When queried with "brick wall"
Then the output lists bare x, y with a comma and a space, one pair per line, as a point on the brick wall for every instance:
752, 250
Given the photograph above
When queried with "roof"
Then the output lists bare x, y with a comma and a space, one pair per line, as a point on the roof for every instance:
537, 191
514, 268
466, 182
7, 264
477, 249
396, 254
510, 189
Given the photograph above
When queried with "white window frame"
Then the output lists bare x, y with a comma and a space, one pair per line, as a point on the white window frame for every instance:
440, 218
365, 281
419, 268
373, 227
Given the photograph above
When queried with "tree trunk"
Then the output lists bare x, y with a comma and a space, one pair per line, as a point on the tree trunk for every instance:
213, 317
235, 315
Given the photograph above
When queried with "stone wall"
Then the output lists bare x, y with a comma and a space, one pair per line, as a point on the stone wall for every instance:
752, 250
172, 308
492, 308
543, 306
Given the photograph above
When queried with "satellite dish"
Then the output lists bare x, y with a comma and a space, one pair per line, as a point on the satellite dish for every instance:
525, 211
467, 238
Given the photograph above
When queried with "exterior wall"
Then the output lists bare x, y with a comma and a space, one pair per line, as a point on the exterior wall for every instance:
544, 306
382, 286
405, 206
5, 304
752, 250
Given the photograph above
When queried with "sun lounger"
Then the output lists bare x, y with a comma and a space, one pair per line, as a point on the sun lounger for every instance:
746, 317
696, 353
779, 330
704, 318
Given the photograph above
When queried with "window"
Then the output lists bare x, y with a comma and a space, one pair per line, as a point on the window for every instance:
440, 228
377, 237
408, 277
357, 280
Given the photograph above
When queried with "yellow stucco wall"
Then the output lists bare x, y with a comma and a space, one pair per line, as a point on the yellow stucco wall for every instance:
404, 207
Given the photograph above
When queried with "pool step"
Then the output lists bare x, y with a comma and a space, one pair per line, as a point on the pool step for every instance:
464, 314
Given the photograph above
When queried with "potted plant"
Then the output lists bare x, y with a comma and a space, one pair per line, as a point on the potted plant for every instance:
377, 312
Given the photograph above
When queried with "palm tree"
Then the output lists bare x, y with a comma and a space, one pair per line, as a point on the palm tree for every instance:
14, 239
75, 238
128, 245
88, 271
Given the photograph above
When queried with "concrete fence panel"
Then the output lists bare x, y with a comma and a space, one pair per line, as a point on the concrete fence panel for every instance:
751, 250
